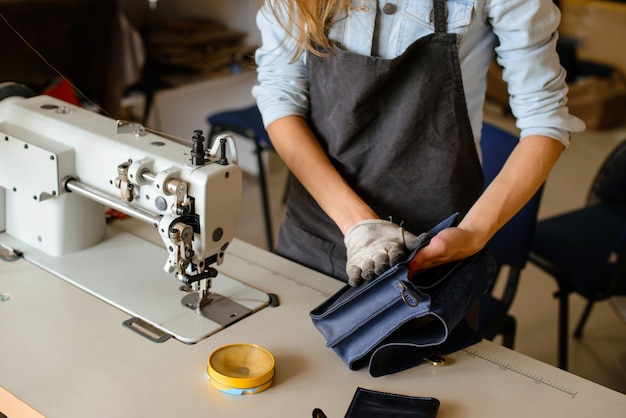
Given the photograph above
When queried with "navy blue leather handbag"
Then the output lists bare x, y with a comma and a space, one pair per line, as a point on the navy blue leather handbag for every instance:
392, 323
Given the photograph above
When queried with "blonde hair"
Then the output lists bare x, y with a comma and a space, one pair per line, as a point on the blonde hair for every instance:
308, 21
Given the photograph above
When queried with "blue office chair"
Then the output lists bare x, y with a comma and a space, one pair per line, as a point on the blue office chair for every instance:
247, 123
510, 245
584, 250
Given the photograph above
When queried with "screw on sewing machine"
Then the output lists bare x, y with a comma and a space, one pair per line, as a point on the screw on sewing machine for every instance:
218, 234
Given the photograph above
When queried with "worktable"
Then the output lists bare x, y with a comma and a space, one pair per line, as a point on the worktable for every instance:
65, 353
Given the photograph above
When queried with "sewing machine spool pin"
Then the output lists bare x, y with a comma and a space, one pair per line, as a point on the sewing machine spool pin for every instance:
197, 151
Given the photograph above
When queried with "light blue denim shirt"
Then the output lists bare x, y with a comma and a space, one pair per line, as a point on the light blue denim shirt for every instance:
523, 34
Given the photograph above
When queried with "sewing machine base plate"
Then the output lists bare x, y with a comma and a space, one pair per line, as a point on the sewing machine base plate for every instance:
126, 271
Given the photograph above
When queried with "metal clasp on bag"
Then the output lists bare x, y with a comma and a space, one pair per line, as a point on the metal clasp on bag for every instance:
435, 360
408, 297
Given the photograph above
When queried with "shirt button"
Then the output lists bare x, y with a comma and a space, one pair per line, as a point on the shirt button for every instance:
389, 9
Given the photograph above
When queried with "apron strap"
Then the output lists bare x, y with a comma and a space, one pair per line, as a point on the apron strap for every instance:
441, 21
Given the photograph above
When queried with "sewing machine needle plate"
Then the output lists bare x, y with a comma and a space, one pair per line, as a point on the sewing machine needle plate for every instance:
220, 309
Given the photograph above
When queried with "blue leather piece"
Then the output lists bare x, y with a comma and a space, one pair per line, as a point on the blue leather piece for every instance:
392, 323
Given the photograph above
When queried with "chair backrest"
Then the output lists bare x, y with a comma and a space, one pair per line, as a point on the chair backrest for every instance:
609, 185
511, 244
609, 188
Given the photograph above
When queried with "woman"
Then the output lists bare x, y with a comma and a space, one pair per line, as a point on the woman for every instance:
376, 108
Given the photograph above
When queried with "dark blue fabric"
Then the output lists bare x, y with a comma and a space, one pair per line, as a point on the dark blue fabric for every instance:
242, 120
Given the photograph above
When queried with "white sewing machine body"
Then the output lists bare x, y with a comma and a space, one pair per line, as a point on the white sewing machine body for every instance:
61, 166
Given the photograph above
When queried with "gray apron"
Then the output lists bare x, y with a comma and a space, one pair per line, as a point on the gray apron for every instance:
398, 132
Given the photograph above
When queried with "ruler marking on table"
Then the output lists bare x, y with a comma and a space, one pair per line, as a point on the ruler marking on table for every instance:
507, 366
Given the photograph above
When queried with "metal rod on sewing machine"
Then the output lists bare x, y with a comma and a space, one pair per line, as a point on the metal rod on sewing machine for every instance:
72, 185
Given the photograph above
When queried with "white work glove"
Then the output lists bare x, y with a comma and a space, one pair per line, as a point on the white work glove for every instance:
373, 246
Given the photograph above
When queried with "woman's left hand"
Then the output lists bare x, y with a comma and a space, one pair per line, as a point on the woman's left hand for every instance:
451, 244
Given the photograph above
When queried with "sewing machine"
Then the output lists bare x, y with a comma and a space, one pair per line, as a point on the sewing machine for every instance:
62, 167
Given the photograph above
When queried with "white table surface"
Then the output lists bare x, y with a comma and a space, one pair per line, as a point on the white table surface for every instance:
66, 354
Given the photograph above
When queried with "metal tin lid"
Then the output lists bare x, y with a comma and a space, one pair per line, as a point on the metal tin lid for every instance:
241, 366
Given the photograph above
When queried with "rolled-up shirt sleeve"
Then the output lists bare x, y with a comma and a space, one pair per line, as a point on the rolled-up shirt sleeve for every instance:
282, 88
527, 34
